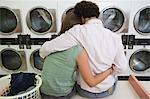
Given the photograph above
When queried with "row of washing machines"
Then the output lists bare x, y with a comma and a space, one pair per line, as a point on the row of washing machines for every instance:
26, 24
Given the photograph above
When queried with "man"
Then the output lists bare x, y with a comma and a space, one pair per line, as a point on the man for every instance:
104, 48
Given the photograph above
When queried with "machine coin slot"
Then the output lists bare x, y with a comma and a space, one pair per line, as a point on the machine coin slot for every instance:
28, 42
124, 40
131, 41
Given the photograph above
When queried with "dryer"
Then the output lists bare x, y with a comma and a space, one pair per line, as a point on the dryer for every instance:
10, 22
40, 22
140, 19
40, 18
115, 14
12, 59
138, 61
34, 61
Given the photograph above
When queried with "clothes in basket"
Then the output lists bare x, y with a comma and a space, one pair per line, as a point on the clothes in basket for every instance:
21, 82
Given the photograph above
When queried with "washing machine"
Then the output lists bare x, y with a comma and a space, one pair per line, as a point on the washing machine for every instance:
10, 20
36, 18
12, 59
115, 14
40, 18
140, 19
34, 61
138, 61
40, 22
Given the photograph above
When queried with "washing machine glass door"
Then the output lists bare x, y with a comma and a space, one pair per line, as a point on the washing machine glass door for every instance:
112, 19
37, 60
40, 20
139, 61
11, 59
142, 21
8, 21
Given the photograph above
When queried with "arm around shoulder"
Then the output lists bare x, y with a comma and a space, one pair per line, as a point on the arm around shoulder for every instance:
63, 42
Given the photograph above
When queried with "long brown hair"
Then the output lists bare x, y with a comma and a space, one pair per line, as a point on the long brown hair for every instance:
69, 21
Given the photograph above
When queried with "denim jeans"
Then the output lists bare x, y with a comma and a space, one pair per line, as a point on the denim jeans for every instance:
72, 93
91, 95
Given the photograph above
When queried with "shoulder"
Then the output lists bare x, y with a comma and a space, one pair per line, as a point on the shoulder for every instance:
76, 28
114, 35
76, 50
76, 31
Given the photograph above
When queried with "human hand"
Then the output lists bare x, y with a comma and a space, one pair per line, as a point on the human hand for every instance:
113, 68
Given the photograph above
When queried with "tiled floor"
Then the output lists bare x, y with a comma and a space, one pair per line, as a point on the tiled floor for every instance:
123, 91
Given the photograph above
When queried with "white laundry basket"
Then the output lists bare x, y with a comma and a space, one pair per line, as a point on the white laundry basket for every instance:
32, 94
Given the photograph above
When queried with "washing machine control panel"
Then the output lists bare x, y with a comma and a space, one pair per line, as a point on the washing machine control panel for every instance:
21, 40
131, 41
8, 41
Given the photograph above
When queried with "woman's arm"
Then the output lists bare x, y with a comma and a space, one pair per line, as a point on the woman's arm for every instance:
84, 69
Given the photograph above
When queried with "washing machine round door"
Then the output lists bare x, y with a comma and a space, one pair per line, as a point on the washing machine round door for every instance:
40, 20
8, 21
11, 59
139, 61
142, 21
37, 61
113, 19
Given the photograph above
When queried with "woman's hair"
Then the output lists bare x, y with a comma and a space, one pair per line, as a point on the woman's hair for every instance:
69, 21
86, 9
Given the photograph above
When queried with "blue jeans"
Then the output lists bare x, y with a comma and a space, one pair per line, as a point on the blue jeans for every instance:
88, 94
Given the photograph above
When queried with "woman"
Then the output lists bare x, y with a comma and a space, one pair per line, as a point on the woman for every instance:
59, 70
